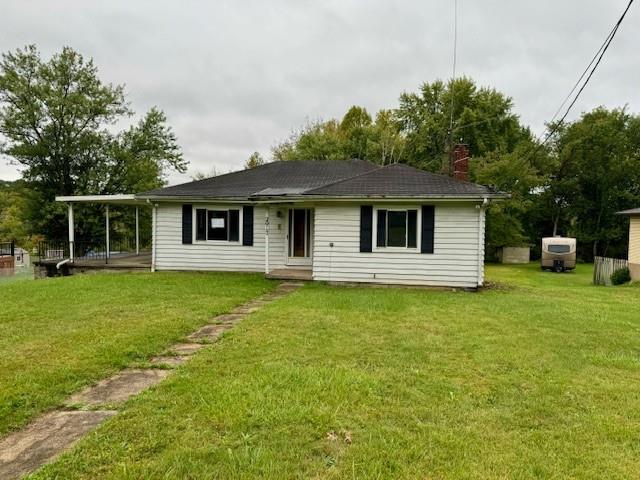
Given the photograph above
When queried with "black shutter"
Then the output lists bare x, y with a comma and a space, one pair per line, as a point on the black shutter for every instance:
412, 233
201, 224
366, 227
381, 234
428, 222
187, 224
234, 225
247, 226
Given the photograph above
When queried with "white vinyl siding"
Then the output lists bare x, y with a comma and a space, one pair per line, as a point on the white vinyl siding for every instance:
171, 254
457, 261
458, 258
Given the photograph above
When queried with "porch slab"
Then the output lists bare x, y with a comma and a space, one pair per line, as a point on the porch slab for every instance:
290, 274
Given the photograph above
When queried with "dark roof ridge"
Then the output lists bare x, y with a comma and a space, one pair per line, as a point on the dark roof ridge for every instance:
443, 175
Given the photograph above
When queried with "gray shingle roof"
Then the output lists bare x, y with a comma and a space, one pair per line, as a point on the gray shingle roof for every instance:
291, 177
327, 178
400, 180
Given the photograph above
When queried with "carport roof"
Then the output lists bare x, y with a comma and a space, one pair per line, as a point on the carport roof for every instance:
118, 199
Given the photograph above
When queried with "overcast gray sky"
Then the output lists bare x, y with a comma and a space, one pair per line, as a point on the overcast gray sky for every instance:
237, 76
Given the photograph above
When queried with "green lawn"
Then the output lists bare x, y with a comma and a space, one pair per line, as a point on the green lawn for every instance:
58, 335
535, 378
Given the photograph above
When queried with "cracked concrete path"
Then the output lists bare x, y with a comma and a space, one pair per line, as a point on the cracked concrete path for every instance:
44, 439
52, 433
118, 388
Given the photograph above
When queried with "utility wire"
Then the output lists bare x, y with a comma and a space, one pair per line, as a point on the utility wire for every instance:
453, 74
599, 55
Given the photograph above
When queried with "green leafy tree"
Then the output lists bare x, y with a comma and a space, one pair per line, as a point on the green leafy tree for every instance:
355, 132
57, 120
15, 200
482, 118
521, 173
254, 160
386, 143
315, 141
597, 174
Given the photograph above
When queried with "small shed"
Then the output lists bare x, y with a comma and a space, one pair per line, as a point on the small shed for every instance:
634, 241
22, 258
514, 255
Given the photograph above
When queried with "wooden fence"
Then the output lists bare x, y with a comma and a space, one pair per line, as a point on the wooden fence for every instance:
603, 268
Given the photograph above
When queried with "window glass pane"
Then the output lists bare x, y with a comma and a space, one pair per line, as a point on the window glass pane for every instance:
217, 225
201, 224
397, 229
412, 230
559, 248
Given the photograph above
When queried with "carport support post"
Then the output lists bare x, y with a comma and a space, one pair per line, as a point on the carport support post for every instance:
71, 233
137, 232
106, 212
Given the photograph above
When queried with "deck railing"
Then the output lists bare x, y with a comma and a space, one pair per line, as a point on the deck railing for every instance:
93, 249
7, 249
7, 258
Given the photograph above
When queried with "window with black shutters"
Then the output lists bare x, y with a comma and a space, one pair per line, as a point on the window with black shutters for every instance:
397, 228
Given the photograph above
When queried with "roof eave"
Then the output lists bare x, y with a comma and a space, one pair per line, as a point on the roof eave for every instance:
632, 212
496, 196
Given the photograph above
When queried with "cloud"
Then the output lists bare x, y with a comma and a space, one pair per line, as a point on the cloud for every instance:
235, 77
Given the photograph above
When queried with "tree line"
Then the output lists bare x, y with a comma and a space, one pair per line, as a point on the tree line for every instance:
570, 185
58, 125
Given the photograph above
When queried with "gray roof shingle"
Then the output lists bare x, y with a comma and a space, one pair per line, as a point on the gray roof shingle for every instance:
295, 176
326, 178
400, 180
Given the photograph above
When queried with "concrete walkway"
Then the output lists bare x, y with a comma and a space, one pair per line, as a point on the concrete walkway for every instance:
54, 432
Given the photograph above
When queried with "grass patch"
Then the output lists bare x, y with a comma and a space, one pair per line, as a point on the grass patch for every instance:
536, 380
60, 334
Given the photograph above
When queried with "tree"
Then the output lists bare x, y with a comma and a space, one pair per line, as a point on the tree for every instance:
15, 200
482, 118
521, 173
355, 136
57, 118
355, 132
386, 143
315, 141
597, 173
254, 160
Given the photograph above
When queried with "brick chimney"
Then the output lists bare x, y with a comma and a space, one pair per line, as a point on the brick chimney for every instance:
460, 162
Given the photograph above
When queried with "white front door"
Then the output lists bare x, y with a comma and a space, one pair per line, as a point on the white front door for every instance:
299, 236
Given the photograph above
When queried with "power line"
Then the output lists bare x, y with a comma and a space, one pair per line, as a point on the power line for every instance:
599, 55
453, 73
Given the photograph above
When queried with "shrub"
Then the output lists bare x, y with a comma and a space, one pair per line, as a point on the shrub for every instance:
621, 276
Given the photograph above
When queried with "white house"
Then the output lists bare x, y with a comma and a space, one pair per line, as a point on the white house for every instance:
350, 221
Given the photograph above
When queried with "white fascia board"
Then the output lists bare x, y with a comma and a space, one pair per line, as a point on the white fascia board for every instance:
122, 199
